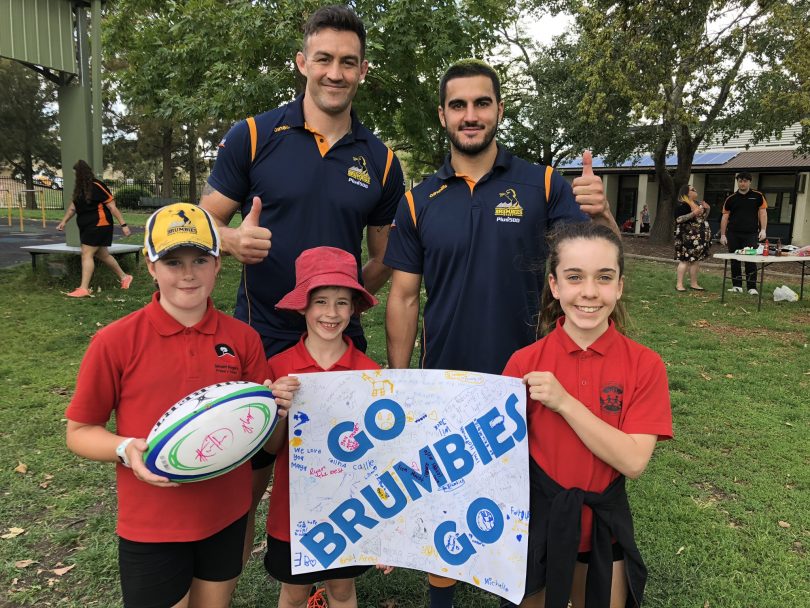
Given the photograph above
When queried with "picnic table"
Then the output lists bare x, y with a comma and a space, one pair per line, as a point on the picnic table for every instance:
115, 249
763, 261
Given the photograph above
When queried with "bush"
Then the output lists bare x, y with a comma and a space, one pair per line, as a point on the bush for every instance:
127, 197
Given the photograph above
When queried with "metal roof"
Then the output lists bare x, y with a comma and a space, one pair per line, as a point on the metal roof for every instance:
754, 160
768, 159
39, 32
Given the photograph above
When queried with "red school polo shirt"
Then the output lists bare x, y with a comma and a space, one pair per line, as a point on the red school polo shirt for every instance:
297, 360
139, 366
617, 379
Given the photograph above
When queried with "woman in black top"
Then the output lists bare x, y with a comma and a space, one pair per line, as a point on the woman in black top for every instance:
94, 208
693, 236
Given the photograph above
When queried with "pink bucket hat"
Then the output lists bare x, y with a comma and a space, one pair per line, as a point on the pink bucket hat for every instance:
325, 267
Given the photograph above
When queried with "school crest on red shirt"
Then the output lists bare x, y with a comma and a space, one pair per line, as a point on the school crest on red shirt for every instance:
611, 397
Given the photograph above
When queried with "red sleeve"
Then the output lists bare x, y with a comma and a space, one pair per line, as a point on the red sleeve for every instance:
98, 385
649, 410
513, 367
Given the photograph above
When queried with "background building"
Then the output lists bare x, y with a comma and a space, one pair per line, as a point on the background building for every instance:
780, 175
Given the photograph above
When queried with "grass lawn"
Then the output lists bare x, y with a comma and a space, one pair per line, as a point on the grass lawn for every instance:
722, 513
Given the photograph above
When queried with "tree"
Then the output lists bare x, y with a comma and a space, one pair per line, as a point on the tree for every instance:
186, 61
679, 66
410, 45
27, 122
542, 89
783, 93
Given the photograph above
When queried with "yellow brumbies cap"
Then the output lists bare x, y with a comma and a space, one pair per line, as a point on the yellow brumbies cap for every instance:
180, 225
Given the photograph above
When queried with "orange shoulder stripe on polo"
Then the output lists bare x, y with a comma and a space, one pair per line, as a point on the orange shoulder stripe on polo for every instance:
409, 198
388, 162
105, 191
251, 122
549, 171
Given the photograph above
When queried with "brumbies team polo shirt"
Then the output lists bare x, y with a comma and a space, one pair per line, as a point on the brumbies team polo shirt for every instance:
311, 196
481, 250
743, 211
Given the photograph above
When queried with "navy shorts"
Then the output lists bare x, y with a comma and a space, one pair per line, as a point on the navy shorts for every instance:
277, 563
158, 575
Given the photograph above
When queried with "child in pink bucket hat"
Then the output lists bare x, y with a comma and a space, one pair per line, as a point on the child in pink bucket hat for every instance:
327, 293
325, 267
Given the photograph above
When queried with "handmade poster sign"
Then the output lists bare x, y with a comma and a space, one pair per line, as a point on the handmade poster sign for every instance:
422, 469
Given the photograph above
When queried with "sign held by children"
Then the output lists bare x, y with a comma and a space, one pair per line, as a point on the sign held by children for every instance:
424, 469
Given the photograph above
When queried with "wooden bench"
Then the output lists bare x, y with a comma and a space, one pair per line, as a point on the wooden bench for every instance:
116, 249
155, 202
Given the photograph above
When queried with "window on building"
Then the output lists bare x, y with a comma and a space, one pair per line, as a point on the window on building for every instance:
718, 187
628, 198
779, 191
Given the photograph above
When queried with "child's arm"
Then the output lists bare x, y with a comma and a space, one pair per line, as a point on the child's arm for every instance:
627, 453
283, 391
95, 442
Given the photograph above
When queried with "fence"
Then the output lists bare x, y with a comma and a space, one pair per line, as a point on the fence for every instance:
127, 192
12, 191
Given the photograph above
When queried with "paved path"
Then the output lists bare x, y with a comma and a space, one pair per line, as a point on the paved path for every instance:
11, 239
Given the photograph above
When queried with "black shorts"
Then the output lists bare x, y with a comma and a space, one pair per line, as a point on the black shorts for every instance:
277, 563
157, 575
584, 557
262, 460
96, 236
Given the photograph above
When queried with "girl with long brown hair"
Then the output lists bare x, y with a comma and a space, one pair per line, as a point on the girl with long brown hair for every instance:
597, 403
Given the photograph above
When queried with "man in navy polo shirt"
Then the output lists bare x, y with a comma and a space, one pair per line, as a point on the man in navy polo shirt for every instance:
476, 232
314, 175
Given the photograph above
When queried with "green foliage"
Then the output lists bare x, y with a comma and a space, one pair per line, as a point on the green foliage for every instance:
128, 197
783, 93
27, 121
184, 62
679, 69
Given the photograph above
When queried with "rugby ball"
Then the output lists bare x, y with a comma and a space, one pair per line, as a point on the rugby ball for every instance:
211, 431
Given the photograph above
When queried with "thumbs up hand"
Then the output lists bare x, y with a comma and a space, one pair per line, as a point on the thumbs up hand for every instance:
589, 190
250, 243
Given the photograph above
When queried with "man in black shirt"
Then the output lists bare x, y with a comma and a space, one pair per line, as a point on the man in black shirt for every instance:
744, 212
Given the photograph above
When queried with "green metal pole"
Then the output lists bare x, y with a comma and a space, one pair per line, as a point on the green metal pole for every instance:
95, 16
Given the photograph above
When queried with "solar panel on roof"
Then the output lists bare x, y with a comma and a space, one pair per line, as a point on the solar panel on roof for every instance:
713, 158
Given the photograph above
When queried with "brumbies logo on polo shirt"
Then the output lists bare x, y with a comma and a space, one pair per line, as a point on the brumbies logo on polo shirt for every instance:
611, 398
358, 172
509, 209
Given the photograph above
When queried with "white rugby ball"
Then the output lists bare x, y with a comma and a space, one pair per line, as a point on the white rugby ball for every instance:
211, 431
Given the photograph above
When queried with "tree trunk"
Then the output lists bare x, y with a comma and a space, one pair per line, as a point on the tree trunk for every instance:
661, 231
166, 156
192, 164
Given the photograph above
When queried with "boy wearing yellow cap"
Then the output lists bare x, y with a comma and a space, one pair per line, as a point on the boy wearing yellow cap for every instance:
179, 545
